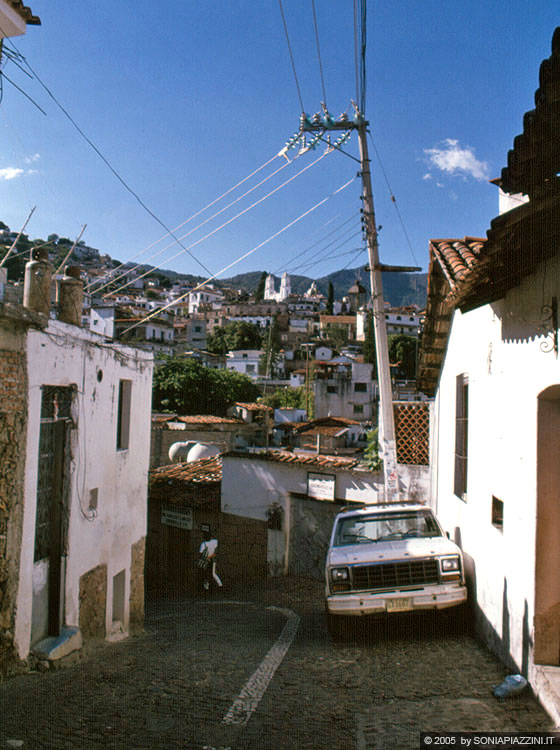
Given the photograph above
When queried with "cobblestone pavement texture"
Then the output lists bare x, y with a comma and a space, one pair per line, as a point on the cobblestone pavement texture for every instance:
172, 686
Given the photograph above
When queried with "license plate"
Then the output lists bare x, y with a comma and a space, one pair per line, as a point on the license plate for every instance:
398, 605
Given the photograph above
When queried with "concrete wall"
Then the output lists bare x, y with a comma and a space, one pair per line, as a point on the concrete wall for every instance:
66, 355
500, 349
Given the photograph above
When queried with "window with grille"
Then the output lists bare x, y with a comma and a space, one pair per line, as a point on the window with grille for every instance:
360, 387
461, 435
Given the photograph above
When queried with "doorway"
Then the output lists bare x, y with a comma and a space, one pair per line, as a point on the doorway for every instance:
547, 554
51, 520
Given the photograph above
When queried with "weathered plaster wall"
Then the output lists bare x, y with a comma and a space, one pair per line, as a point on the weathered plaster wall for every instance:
13, 429
66, 355
499, 348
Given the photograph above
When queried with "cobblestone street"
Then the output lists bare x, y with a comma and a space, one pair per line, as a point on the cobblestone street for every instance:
198, 678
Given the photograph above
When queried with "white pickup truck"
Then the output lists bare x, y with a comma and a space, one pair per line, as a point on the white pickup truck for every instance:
390, 557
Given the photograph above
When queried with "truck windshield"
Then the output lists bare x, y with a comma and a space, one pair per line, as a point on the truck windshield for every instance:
386, 526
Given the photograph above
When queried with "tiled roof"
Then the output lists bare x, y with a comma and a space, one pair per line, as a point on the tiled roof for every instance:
326, 430
203, 471
309, 459
208, 419
533, 163
457, 258
254, 406
162, 418
25, 12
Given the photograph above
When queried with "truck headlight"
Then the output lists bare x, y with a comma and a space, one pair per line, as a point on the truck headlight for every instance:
450, 565
339, 574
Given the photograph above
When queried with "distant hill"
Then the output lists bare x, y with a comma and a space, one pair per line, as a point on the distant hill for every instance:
398, 288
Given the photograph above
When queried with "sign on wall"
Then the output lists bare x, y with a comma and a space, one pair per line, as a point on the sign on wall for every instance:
180, 519
321, 486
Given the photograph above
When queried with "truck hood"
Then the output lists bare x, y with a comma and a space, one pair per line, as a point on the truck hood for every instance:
400, 549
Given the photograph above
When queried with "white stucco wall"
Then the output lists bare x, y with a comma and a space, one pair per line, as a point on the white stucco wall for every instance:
65, 355
499, 348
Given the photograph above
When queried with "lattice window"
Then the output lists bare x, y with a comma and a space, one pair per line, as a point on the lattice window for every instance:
412, 429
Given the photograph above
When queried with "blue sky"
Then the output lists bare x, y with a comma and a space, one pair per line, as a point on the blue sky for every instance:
186, 99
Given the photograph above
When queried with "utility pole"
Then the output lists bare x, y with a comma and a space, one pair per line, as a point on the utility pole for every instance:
321, 125
387, 442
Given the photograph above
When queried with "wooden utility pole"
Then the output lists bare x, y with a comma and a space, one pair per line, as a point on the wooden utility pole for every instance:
387, 442
321, 125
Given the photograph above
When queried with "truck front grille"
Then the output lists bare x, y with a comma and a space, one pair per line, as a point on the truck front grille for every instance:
395, 575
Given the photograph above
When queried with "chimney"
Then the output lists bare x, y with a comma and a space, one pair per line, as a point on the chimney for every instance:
37, 282
70, 296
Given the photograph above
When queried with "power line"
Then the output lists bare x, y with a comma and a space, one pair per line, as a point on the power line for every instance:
319, 54
107, 163
393, 200
229, 221
199, 226
322, 239
191, 218
291, 55
242, 257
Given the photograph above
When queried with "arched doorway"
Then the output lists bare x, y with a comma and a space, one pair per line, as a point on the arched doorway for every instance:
547, 553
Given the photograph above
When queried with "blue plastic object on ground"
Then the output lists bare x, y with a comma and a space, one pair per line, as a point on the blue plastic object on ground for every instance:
511, 685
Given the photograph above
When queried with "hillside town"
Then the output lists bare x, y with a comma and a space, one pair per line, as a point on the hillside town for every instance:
146, 415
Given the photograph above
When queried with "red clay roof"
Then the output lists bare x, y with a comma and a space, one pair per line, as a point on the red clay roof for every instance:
253, 406
208, 419
457, 258
203, 471
25, 12
310, 459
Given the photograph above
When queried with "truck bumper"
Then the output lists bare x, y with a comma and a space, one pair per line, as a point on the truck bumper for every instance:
368, 603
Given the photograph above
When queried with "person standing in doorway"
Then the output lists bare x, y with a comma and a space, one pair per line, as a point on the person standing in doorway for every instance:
207, 558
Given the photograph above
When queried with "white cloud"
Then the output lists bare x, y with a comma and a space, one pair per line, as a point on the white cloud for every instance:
9, 173
453, 159
32, 159
427, 176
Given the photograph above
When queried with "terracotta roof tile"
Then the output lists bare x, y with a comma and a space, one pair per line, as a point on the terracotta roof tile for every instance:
310, 459
253, 406
203, 471
457, 258
25, 12
207, 419
534, 161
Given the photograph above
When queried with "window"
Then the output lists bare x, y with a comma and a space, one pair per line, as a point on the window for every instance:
497, 513
358, 408
331, 389
197, 329
360, 387
461, 435
123, 416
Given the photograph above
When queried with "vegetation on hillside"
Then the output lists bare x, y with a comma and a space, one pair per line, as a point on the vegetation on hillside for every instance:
184, 386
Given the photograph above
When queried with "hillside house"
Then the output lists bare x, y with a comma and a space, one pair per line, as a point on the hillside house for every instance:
344, 387
490, 358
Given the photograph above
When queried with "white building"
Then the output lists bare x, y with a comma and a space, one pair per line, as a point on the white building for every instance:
490, 357
245, 361
285, 288
207, 297
75, 528
344, 388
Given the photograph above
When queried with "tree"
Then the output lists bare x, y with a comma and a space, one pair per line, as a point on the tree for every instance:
372, 458
338, 335
286, 398
330, 299
184, 386
259, 293
236, 335
403, 350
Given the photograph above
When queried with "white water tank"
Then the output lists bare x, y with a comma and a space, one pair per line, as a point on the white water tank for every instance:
191, 451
